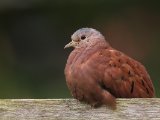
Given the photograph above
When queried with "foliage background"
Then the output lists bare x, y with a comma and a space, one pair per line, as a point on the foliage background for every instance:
34, 32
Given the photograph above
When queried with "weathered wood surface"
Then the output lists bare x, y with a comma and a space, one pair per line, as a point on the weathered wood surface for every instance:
70, 109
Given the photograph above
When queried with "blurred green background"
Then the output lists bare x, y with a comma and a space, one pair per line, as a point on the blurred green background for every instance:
34, 32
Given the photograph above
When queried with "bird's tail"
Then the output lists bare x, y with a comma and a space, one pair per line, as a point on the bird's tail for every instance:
109, 100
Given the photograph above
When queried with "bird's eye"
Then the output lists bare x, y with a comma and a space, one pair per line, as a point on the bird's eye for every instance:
83, 37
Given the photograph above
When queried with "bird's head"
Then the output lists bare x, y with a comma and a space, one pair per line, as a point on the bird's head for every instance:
84, 37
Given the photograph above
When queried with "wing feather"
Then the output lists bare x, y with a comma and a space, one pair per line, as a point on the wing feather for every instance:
122, 75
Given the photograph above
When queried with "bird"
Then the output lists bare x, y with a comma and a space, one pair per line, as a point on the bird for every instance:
97, 74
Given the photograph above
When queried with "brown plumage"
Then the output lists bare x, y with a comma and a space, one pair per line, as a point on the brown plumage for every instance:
96, 73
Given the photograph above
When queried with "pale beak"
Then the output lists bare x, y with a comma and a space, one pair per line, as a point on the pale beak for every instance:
71, 44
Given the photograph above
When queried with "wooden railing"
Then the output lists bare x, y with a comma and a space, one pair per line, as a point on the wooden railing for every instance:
70, 109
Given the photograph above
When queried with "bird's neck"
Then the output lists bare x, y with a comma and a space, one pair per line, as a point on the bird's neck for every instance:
83, 53
97, 44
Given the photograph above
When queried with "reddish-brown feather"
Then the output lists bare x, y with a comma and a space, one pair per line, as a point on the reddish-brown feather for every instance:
125, 76
100, 74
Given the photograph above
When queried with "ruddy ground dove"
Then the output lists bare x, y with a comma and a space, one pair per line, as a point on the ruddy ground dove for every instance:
97, 74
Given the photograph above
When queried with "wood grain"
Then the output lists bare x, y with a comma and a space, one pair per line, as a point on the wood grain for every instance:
71, 109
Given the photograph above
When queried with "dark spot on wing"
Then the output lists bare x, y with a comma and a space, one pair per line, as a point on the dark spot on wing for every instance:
129, 72
132, 87
122, 77
147, 90
143, 83
114, 65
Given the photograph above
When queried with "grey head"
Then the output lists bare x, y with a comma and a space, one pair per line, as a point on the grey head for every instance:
85, 37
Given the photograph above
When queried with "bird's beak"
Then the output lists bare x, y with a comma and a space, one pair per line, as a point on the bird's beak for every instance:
71, 44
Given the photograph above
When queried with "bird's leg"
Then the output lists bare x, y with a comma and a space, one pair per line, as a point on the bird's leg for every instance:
96, 104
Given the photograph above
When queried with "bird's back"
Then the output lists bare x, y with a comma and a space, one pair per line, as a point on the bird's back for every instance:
121, 75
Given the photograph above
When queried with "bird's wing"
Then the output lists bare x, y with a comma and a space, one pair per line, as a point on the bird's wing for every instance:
121, 75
